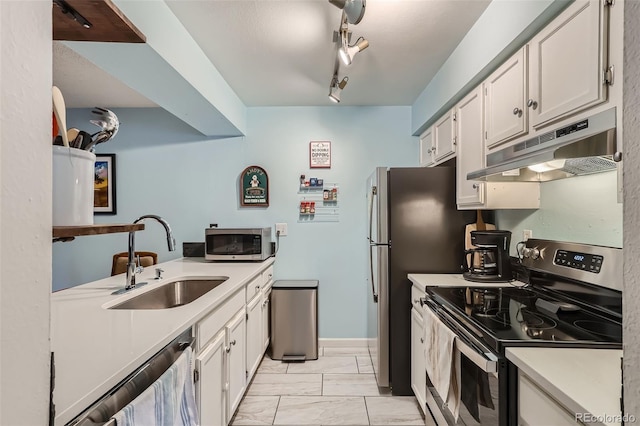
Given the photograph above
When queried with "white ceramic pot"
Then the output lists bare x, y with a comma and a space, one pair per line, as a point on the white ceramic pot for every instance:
73, 177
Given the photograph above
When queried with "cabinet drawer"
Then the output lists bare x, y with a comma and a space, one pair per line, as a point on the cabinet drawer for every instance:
253, 287
267, 275
416, 293
208, 327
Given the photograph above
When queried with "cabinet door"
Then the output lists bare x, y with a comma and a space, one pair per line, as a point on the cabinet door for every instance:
426, 148
566, 62
266, 336
444, 137
418, 369
470, 149
254, 334
504, 101
235, 349
210, 393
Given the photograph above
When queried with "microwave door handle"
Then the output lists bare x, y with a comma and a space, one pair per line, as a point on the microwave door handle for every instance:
373, 287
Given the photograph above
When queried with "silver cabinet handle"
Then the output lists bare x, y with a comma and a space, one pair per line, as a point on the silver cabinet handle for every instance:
422, 340
227, 349
233, 342
258, 287
517, 111
416, 301
532, 104
476, 186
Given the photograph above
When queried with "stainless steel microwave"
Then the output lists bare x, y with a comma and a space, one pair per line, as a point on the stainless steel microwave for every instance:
237, 244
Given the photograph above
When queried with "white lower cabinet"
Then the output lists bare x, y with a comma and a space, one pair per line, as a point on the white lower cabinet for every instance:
537, 408
235, 332
254, 334
418, 369
210, 382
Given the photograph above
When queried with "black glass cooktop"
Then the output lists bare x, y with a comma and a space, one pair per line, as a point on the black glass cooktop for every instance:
510, 316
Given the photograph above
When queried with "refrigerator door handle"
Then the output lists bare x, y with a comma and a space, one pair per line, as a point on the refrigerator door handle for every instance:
374, 192
373, 286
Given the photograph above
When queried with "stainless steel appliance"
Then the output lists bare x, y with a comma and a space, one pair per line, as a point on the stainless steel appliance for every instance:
489, 261
584, 147
573, 299
413, 226
227, 244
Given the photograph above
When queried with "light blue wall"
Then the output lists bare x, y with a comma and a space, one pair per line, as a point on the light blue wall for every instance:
505, 26
164, 167
580, 209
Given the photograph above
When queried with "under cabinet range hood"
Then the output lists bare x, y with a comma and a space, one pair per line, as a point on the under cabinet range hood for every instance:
585, 147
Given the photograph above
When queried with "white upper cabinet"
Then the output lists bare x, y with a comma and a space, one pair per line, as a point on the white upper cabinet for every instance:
567, 62
505, 93
444, 138
470, 156
426, 147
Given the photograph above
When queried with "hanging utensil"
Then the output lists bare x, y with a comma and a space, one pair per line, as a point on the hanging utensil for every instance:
60, 112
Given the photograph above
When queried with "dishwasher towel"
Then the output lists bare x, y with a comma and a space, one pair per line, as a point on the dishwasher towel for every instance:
170, 401
442, 360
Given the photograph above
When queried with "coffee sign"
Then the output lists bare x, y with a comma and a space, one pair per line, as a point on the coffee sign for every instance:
320, 154
254, 187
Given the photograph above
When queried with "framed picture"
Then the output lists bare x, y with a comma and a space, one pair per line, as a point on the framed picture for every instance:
254, 187
320, 154
104, 184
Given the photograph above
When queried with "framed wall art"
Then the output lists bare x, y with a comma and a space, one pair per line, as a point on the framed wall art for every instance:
254, 187
320, 154
104, 184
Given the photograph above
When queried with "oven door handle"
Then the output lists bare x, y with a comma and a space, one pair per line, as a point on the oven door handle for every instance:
468, 345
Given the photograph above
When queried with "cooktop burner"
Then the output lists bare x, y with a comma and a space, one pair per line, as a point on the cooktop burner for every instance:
517, 316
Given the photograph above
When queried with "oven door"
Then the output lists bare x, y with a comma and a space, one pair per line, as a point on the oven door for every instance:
480, 371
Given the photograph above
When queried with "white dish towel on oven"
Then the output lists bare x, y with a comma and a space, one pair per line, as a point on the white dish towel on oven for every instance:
442, 360
170, 401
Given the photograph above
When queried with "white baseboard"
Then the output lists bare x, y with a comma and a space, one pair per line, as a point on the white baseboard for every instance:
344, 343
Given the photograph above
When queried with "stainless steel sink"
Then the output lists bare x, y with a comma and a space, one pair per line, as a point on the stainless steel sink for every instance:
172, 294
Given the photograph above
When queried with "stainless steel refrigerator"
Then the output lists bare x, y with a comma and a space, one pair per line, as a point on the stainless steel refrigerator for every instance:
413, 227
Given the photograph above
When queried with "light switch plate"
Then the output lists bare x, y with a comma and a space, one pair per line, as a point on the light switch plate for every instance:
281, 229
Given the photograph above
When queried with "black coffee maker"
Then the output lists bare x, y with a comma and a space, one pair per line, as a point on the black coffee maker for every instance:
489, 261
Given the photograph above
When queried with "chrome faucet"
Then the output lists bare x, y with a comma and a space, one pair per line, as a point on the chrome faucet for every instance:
132, 267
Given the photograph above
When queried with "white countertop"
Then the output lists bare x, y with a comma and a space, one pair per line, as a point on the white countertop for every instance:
95, 347
454, 280
583, 380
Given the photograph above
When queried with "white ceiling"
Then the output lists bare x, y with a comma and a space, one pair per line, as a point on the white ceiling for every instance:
281, 52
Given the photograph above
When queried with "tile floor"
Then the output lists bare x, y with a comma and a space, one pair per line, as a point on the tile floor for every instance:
337, 389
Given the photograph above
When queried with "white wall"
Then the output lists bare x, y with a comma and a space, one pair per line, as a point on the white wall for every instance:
25, 211
580, 209
631, 292
163, 167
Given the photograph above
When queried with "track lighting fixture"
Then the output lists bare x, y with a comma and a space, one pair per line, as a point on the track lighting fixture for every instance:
347, 52
354, 9
336, 88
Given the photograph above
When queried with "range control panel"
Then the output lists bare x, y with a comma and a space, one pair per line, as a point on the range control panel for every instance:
582, 261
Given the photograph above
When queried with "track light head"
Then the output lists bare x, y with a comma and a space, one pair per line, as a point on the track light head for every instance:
336, 88
354, 9
347, 52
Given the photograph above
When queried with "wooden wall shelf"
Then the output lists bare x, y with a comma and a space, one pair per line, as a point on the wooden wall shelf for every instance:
68, 233
109, 24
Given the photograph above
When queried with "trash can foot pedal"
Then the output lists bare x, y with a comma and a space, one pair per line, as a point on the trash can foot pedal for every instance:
294, 358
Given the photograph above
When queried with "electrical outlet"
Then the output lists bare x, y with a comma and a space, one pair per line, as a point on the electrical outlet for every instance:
281, 229
526, 234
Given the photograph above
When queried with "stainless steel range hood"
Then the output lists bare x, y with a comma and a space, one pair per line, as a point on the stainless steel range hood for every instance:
585, 147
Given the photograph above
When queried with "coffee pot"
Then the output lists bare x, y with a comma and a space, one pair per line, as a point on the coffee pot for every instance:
489, 261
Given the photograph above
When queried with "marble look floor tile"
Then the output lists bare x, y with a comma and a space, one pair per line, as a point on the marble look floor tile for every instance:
364, 364
286, 384
331, 364
349, 384
324, 410
393, 410
256, 410
338, 351
269, 365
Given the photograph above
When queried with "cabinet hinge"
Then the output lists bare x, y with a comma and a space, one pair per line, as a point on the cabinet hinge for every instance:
609, 3
607, 76
454, 117
246, 316
246, 374
454, 141
485, 134
196, 376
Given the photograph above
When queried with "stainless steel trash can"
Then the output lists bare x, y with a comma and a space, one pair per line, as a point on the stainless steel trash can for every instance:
294, 320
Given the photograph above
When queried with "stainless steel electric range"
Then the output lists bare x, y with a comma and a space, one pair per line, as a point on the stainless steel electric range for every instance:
571, 298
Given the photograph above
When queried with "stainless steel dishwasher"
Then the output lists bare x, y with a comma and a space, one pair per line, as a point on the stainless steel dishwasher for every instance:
294, 320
